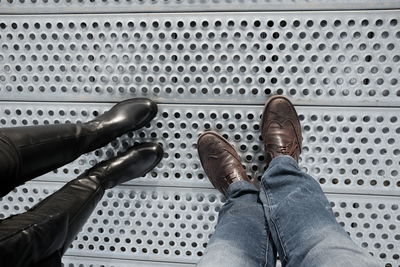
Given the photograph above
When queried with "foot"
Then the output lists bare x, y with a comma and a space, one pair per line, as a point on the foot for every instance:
280, 129
220, 161
128, 115
135, 162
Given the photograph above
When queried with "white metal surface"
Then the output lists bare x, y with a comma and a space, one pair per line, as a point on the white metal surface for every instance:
331, 58
106, 6
78, 261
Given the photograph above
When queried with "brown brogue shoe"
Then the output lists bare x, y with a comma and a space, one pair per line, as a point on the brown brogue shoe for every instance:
280, 129
220, 161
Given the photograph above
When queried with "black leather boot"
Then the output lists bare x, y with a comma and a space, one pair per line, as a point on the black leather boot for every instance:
40, 236
28, 152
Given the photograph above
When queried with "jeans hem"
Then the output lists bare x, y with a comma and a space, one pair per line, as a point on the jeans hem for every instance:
283, 159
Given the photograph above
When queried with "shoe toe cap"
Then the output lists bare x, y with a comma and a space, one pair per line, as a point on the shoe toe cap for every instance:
281, 105
140, 111
207, 142
148, 156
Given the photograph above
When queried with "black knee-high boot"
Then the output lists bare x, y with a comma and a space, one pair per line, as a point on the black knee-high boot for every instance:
40, 236
28, 152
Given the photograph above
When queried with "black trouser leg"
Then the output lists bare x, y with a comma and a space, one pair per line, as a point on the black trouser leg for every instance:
43, 233
46, 230
53, 260
9, 166
28, 152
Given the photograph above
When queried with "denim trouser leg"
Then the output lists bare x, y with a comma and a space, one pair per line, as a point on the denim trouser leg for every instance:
241, 238
302, 223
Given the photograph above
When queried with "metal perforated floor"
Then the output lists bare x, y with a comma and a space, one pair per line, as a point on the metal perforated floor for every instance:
334, 58
209, 71
105, 6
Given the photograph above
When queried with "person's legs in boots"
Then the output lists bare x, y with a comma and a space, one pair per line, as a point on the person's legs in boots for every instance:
28, 152
241, 237
299, 215
40, 236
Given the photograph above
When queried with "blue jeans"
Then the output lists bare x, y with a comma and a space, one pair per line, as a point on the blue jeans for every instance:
289, 215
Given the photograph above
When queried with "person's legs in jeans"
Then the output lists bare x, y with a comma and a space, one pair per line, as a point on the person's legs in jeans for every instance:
241, 237
302, 223
299, 216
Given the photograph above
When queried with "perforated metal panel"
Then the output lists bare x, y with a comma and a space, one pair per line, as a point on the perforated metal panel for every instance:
93, 6
77, 261
166, 224
346, 150
334, 58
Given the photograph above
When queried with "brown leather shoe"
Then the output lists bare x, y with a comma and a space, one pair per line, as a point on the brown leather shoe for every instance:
220, 161
280, 129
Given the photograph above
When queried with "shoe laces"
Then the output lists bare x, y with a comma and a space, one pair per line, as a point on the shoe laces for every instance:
284, 149
287, 149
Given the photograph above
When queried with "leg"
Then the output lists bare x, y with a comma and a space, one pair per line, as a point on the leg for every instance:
241, 237
299, 216
54, 260
46, 230
28, 152
302, 223
9, 165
